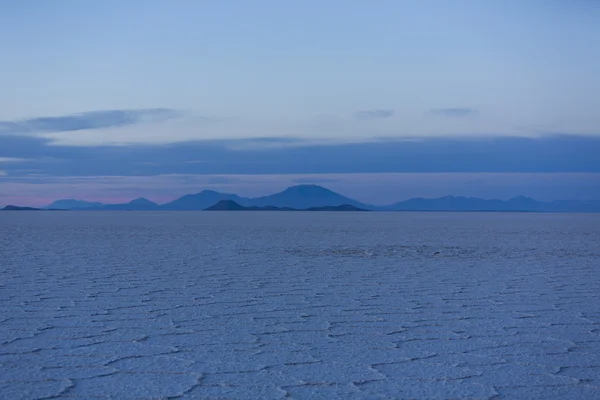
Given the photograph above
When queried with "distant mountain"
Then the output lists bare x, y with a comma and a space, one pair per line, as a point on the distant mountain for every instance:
448, 203
72, 204
202, 200
452, 203
226, 205
297, 197
306, 196
17, 208
303, 197
516, 204
230, 205
137, 204
522, 203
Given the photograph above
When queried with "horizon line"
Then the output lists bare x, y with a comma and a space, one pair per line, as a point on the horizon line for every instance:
516, 196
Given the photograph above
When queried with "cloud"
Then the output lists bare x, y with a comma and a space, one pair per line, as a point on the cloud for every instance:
565, 153
165, 127
374, 114
264, 143
12, 160
152, 131
87, 121
315, 180
222, 180
2, 173
454, 111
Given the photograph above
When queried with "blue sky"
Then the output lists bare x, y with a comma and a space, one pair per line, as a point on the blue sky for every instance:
157, 89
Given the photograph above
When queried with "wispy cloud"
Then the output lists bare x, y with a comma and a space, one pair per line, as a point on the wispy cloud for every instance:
374, 114
2, 173
222, 180
87, 120
263, 143
315, 180
566, 153
12, 160
454, 111
150, 163
167, 127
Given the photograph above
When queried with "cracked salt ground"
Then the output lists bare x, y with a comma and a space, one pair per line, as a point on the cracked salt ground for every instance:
160, 305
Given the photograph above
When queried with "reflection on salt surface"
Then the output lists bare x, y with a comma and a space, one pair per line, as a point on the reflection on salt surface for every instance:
274, 305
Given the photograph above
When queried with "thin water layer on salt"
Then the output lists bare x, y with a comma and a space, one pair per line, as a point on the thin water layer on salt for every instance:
153, 305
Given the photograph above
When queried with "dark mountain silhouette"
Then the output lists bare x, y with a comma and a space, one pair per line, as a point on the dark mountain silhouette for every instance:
226, 205
230, 205
305, 196
17, 208
202, 200
302, 197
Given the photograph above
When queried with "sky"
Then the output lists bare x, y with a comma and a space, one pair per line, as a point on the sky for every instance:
383, 100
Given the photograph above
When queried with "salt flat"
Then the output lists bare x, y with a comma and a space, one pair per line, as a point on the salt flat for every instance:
197, 305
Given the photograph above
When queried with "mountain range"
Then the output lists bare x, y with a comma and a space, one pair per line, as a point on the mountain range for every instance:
230, 205
310, 196
17, 208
